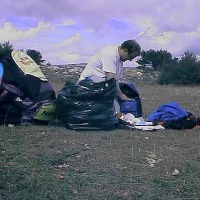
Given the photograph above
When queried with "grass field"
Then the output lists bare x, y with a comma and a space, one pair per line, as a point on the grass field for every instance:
52, 162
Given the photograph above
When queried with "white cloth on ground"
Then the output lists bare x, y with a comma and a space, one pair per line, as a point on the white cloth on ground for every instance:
139, 123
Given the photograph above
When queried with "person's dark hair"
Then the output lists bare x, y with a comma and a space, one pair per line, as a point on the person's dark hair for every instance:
131, 45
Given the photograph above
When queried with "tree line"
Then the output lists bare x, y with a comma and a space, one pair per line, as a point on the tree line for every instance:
184, 70
172, 70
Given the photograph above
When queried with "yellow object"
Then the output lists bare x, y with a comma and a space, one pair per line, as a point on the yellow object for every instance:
46, 112
27, 64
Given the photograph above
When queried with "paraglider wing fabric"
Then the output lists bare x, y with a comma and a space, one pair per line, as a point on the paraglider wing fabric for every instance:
31, 85
23, 89
1, 72
10, 113
27, 64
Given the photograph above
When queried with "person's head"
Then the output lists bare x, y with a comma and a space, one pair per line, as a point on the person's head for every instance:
129, 50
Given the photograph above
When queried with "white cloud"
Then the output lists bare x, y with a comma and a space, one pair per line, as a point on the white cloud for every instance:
65, 51
70, 58
66, 44
67, 22
64, 57
10, 33
72, 40
82, 28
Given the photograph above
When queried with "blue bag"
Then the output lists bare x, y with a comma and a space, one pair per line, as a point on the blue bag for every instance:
133, 106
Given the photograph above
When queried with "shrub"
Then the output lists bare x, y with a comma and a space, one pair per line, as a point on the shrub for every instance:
5, 48
184, 71
35, 55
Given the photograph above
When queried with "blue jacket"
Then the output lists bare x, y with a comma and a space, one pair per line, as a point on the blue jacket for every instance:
168, 112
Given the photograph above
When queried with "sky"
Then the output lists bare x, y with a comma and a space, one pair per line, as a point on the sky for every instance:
71, 31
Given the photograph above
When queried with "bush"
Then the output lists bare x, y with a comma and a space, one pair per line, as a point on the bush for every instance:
5, 48
184, 71
35, 55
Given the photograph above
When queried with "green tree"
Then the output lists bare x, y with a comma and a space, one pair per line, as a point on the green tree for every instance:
185, 71
5, 48
155, 59
35, 55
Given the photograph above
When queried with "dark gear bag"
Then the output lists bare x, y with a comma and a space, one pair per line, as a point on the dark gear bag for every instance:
87, 105
133, 106
23, 89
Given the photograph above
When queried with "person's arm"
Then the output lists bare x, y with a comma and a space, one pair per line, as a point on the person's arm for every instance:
119, 93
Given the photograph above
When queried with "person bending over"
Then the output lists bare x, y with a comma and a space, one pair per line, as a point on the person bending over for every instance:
108, 63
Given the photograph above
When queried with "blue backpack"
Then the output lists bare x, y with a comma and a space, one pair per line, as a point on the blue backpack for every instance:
134, 106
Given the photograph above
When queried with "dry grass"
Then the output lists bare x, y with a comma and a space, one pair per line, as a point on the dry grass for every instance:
50, 162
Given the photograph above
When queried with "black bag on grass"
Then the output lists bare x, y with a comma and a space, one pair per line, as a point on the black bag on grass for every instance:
87, 105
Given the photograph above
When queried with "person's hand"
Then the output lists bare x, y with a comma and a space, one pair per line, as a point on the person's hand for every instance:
124, 97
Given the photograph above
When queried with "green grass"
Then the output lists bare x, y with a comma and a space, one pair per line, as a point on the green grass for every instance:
43, 162
52, 162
